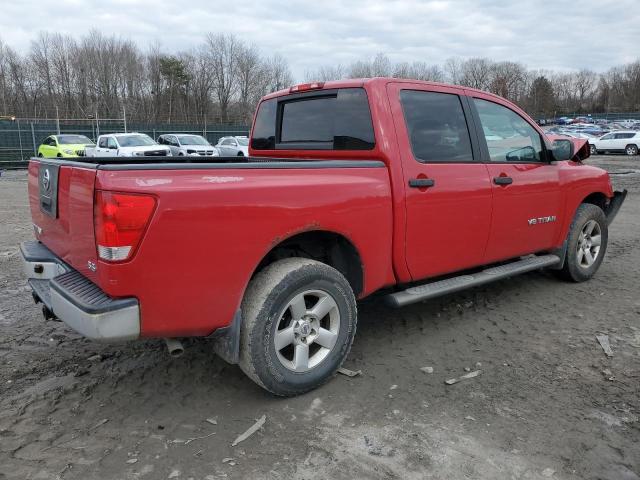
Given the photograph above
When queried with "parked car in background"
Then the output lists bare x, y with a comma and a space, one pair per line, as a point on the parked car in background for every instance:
62, 146
616, 142
233, 146
183, 144
127, 145
579, 134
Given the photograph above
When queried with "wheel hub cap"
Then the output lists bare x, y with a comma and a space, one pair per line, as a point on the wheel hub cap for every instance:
589, 243
307, 330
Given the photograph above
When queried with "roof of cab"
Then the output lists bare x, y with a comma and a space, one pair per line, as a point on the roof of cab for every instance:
360, 82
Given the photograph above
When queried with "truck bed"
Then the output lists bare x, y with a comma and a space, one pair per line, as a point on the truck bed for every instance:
215, 219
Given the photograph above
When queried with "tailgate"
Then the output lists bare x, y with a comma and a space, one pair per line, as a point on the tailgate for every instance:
61, 201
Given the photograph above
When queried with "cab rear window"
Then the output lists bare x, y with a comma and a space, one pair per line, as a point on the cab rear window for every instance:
327, 120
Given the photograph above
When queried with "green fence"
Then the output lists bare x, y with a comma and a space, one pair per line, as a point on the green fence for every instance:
20, 138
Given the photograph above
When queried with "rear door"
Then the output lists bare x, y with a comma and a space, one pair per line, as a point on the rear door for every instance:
447, 189
526, 188
621, 140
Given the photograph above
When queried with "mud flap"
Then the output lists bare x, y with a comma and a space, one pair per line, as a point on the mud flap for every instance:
226, 340
614, 205
562, 253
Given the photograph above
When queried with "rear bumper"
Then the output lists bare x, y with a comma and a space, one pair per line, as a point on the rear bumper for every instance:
76, 300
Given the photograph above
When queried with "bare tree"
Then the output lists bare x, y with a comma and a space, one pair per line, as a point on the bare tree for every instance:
279, 74
223, 50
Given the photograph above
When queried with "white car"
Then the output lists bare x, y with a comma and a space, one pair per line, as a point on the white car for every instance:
127, 145
617, 142
185, 144
233, 146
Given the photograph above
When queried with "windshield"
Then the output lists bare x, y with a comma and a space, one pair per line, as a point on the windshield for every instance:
243, 141
192, 140
74, 140
135, 140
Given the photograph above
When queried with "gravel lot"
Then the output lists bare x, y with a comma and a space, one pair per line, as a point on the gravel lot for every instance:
548, 404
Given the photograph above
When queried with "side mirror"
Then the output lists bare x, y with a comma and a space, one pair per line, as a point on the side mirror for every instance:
562, 149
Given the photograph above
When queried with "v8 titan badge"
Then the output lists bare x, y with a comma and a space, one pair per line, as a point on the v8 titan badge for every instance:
539, 220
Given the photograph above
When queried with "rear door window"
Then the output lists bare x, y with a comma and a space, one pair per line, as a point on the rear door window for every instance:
327, 120
437, 126
625, 135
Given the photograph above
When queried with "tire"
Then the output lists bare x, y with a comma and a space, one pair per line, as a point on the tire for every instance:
40, 155
240, 154
631, 150
580, 266
592, 150
268, 316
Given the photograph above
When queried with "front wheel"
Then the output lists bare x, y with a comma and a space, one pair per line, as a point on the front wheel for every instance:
586, 243
593, 150
631, 150
240, 154
298, 322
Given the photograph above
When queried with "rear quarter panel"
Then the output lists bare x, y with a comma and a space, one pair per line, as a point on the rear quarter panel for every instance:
211, 229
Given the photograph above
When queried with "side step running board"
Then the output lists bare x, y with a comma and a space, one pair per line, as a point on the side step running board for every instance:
455, 284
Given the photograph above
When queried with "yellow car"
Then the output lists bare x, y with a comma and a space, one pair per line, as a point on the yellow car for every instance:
63, 146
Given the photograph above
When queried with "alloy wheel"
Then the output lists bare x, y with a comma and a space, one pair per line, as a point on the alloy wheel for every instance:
589, 243
307, 330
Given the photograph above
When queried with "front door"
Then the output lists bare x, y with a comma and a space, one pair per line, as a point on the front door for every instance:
527, 200
447, 190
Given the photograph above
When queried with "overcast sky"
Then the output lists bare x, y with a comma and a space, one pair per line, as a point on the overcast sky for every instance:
555, 34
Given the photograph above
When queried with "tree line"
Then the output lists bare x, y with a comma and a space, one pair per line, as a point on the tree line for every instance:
218, 81
221, 79
542, 93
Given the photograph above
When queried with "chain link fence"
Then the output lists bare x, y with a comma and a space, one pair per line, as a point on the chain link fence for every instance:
21, 137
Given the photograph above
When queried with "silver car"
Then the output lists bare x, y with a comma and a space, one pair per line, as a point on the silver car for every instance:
187, 144
233, 146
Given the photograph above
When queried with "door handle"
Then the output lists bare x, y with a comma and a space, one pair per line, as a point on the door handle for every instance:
502, 180
421, 182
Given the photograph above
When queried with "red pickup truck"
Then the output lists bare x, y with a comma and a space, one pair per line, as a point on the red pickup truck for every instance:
407, 188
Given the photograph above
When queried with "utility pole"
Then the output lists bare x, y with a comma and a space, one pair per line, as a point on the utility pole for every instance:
124, 113
57, 121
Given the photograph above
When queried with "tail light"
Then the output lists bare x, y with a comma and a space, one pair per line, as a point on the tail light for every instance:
120, 221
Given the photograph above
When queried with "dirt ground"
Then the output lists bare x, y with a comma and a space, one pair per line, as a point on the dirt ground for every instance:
548, 403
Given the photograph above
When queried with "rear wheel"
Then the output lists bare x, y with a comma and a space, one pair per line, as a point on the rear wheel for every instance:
240, 154
586, 243
298, 323
592, 149
631, 150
